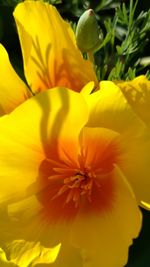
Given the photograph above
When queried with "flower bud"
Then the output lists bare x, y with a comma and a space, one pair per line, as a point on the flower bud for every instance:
88, 36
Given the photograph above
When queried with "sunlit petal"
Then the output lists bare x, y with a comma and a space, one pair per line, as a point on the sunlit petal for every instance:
137, 93
136, 164
13, 91
50, 59
3, 260
108, 108
23, 253
42, 123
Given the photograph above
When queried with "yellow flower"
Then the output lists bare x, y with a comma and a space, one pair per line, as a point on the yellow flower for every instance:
66, 163
50, 56
71, 170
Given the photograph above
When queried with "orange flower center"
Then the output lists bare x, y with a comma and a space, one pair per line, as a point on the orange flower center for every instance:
69, 187
78, 177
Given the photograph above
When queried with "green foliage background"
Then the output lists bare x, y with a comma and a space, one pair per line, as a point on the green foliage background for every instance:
124, 54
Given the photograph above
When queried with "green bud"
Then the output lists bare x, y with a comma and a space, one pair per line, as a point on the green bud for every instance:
88, 35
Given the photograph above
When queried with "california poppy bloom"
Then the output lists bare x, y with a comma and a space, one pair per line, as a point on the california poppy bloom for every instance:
66, 175
72, 176
50, 56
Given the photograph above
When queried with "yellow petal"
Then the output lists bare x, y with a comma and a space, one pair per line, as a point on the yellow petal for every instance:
13, 91
26, 253
26, 224
31, 133
136, 164
137, 93
104, 238
3, 260
68, 257
109, 108
100, 146
145, 205
23, 253
51, 57
24, 220
88, 89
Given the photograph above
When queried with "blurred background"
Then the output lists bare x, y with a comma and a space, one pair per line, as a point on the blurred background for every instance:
124, 54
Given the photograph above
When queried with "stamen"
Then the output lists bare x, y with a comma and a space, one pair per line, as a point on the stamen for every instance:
75, 182
85, 183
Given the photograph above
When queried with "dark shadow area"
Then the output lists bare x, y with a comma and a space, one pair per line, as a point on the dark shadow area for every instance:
139, 254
